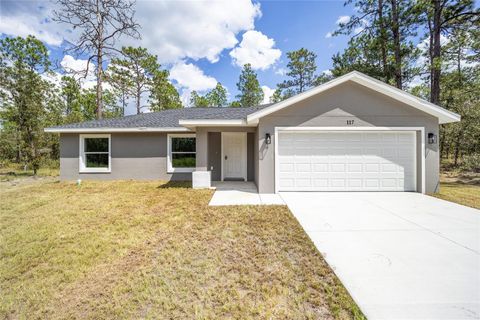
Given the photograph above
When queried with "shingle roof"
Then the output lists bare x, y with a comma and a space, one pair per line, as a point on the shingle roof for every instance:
166, 118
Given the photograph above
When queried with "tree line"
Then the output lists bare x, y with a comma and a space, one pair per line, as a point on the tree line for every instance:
428, 47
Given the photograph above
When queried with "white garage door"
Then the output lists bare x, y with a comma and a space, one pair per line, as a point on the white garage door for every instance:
346, 161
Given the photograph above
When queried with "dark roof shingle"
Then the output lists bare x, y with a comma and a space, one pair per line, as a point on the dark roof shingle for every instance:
165, 118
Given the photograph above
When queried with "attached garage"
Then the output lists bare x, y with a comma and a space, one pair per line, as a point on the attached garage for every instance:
353, 133
322, 159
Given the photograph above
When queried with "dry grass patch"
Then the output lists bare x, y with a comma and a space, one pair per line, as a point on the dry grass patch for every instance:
461, 193
147, 250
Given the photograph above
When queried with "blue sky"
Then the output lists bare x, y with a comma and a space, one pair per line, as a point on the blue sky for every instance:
202, 42
292, 24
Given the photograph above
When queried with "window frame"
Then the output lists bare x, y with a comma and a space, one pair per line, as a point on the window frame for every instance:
82, 158
170, 168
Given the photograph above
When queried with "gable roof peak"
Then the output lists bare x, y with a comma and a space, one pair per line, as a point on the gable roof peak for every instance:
443, 115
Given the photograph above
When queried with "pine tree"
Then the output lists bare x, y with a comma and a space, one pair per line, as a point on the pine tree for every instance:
163, 95
217, 97
138, 65
301, 70
250, 92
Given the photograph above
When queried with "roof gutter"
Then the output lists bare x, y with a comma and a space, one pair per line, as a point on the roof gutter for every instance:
96, 130
192, 123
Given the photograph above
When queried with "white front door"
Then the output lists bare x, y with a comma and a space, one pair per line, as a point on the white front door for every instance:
234, 156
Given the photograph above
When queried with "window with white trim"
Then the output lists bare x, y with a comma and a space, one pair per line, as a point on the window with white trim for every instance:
181, 153
95, 153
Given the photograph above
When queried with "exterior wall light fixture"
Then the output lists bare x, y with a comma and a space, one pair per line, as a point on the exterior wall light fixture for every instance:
268, 138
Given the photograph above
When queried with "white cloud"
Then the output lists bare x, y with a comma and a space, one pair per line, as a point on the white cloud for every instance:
72, 65
328, 35
343, 19
267, 93
196, 29
363, 24
256, 49
190, 77
357, 30
327, 72
77, 68
281, 71
171, 29
25, 25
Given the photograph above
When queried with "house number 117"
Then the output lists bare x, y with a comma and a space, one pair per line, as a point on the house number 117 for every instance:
350, 122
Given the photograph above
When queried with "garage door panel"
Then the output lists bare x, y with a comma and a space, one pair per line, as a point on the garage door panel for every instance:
319, 167
354, 167
347, 161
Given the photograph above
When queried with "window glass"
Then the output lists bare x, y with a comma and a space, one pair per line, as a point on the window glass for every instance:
96, 153
182, 153
183, 160
96, 144
96, 160
183, 144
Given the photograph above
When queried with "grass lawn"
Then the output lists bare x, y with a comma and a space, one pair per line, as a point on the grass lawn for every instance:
152, 250
462, 189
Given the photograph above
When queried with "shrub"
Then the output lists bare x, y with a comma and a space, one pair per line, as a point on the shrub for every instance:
471, 163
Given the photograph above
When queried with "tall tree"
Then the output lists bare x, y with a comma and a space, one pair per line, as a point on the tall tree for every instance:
441, 17
361, 55
121, 81
459, 92
22, 61
163, 95
276, 96
100, 23
71, 95
301, 69
198, 101
217, 97
140, 67
380, 43
250, 92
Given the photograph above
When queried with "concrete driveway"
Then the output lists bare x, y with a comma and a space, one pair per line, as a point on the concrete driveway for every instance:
400, 255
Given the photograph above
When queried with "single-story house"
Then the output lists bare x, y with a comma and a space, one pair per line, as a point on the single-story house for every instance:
353, 133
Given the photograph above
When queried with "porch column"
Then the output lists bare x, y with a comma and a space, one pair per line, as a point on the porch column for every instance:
201, 176
202, 149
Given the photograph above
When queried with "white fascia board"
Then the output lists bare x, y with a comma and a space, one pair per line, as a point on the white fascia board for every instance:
442, 114
99, 130
215, 123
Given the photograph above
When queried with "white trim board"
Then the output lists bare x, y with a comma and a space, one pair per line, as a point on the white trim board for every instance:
101, 130
332, 129
170, 168
81, 155
443, 115
216, 123
244, 152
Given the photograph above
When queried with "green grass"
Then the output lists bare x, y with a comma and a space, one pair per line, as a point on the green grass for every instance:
129, 249
459, 192
14, 171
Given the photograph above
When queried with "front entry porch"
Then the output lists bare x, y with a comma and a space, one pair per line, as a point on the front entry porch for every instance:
234, 193
224, 154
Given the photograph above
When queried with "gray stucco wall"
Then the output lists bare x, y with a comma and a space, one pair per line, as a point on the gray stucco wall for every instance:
333, 108
141, 156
